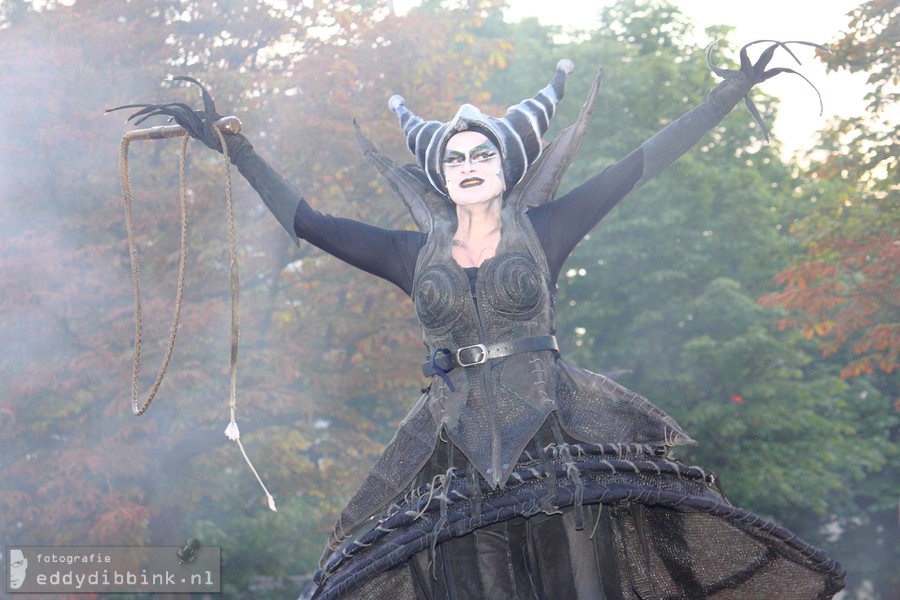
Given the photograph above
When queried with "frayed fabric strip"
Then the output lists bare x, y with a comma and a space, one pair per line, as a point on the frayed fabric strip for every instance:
585, 475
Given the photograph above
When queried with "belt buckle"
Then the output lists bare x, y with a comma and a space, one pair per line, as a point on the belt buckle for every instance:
479, 358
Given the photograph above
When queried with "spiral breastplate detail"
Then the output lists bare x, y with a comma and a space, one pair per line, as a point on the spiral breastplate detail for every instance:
439, 296
513, 285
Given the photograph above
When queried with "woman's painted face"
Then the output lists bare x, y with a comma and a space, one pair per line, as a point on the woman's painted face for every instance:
473, 169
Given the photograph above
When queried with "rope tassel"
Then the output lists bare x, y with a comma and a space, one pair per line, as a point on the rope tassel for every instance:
234, 434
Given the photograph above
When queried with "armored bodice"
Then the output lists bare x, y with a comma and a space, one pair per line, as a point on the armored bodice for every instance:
491, 410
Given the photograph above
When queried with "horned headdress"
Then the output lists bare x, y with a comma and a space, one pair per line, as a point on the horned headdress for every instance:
531, 170
518, 134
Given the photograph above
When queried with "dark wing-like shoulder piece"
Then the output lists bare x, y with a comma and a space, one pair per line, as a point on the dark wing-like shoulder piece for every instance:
409, 182
542, 180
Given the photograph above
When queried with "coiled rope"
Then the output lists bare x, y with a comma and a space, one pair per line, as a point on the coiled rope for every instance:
138, 407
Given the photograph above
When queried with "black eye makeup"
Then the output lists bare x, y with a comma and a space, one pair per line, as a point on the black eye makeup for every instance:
453, 158
480, 153
483, 152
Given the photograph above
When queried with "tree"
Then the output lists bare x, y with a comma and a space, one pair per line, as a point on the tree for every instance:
846, 293
843, 291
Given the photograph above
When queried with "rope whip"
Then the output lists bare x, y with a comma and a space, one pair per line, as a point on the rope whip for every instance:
222, 126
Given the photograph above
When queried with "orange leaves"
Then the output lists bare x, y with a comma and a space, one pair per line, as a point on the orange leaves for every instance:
857, 368
800, 276
811, 286
882, 337
820, 329
848, 297
121, 519
880, 347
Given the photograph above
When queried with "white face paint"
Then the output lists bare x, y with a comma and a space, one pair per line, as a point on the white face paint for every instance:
473, 169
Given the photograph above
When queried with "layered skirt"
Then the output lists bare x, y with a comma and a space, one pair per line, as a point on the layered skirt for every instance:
575, 521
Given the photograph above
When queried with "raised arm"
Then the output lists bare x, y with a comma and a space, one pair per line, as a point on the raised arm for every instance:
664, 147
389, 254
562, 224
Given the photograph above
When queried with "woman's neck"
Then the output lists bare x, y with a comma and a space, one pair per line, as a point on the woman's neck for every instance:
477, 221
477, 234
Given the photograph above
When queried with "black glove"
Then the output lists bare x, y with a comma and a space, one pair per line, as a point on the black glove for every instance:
200, 124
279, 195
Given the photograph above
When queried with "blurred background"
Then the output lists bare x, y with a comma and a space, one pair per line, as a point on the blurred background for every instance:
751, 291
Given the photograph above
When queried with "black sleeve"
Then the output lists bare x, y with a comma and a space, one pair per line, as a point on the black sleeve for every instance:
389, 254
562, 223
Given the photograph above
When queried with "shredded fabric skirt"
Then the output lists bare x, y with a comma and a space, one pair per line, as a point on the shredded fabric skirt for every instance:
575, 522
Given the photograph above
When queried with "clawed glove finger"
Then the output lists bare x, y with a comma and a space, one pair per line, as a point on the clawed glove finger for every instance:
198, 123
753, 73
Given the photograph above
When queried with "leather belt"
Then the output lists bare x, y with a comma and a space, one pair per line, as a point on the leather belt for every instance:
444, 360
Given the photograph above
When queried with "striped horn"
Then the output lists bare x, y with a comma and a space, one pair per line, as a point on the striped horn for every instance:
518, 134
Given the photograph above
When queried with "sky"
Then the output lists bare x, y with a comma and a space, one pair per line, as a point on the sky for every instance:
819, 21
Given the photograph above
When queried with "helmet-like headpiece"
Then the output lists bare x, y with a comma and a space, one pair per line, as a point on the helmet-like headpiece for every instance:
518, 134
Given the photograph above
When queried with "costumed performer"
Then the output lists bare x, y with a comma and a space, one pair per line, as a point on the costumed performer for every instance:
517, 474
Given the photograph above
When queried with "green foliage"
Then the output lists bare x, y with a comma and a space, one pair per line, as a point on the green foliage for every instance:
869, 46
